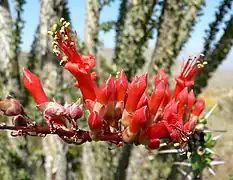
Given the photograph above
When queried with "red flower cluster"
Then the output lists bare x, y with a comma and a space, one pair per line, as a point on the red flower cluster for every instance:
118, 106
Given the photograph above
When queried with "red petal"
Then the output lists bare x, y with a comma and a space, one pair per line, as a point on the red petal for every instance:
153, 144
183, 101
199, 107
106, 92
144, 100
161, 76
157, 131
135, 91
157, 97
33, 85
121, 86
94, 122
85, 83
140, 117
191, 100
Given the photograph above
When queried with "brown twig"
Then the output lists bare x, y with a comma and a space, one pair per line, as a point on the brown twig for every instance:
66, 134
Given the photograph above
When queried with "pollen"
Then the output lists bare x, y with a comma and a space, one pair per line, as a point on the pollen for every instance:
54, 27
61, 20
51, 33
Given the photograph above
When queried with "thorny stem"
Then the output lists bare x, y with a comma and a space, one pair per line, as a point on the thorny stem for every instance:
79, 136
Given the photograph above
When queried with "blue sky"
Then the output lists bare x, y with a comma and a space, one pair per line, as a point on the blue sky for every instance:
77, 9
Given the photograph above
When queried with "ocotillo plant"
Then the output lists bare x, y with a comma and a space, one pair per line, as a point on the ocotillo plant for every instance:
119, 111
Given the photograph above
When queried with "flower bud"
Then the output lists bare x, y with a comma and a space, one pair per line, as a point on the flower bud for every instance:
183, 101
106, 92
11, 107
191, 100
135, 91
144, 100
121, 86
157, 97
161, 76
95, 122
153, 144
33, 85
198, 107
74, 111
52, 109
190, 124
139, 119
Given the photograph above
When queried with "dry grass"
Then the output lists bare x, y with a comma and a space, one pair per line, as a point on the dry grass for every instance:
223, 120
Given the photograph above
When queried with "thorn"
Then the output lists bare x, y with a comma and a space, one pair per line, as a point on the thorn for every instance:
163, 144
217, 137
211, 171
214, 130
216, 163
184, 173
210, 150
182, 164
210, 112
169, 151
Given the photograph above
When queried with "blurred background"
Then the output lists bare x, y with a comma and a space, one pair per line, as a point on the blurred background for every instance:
134, 35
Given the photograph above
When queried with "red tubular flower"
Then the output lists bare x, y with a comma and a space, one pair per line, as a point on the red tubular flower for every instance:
198, 107
189, 125
135, 91
140, 117
191, 100
172, 107
144, 100
84, 80
161, 76
137, 122
95, 123
121, 86
33, 85
78, 65
189, 70
106, 92
170, 128
183, 101
157, 97
155, 131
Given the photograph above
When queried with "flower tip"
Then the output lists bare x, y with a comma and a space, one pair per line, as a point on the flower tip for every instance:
161, 76
153, 144
199, 107
29, 76
140, 117
94, 122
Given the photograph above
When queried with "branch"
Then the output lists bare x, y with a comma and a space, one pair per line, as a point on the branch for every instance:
78, 136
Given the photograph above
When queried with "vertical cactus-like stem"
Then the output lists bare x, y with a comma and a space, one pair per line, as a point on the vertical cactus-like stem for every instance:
216, 56
176, 22
55, 154
133, 29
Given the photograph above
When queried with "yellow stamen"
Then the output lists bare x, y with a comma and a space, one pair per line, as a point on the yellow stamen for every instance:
67, 24
50, 33
54, 27
61, 20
